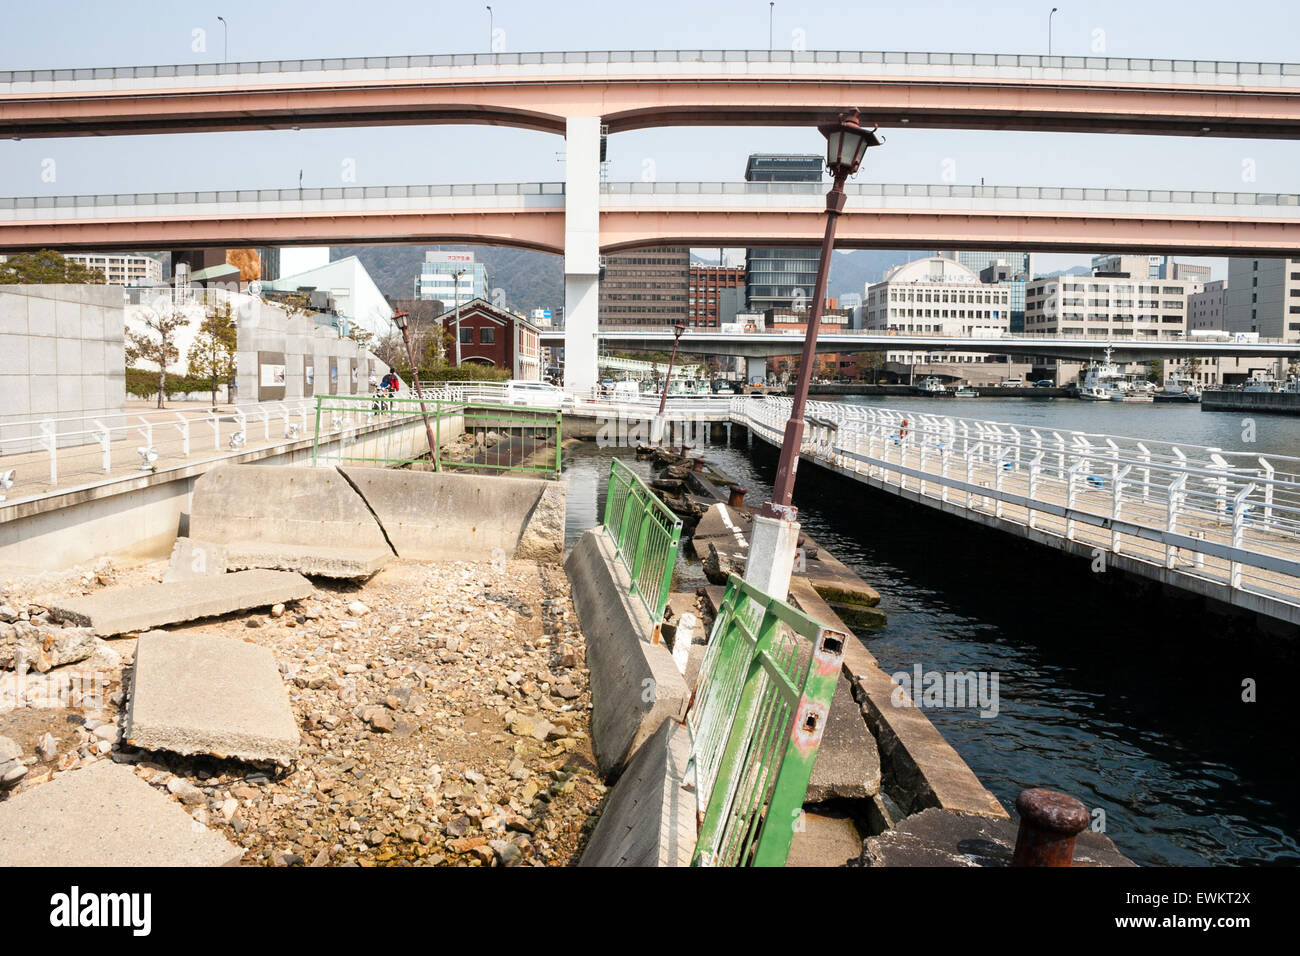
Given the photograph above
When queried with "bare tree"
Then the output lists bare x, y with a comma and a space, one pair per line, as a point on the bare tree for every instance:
157, 341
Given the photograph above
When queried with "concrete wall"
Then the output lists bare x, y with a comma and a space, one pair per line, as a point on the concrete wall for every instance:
62, 355
138, 517
634, 684
269, 337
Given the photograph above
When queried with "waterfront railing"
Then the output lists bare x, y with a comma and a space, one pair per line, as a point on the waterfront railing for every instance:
756, 720
646, 534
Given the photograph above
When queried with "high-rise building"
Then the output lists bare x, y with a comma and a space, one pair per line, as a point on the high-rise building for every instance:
439, 279
1205, 309
781, 278
646, 286
1151, 267
714, 296
1263, 296
119, 268
1017, 263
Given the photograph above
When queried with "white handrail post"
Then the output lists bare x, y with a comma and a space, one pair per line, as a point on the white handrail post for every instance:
1268, 490
1218, 464
1171, 516
1070, 476
105, 438
50, 440
1146, 470
216, 431
1117, 489
183, 427
266, 422
1035, 469
1238, 532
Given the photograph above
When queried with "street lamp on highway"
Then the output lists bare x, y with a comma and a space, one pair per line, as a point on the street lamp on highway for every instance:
1049, 31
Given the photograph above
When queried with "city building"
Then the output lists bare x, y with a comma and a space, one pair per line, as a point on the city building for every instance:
1128, 302
1151, 267
999, 273
496, 337
940, 296
781, 278
120, 268
715, 295
354, 294
1016, 263
451, 277
646, 286
1205, 309
1263, 296
829, 364
295, 259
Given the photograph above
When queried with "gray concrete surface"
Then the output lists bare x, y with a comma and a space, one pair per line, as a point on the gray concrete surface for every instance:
937, 837
104, 815
192, 558
634, 684
649, 818
431, 516
202, 694
823, 839
41, 647
848, 762
282, 505
314, 559
123, 610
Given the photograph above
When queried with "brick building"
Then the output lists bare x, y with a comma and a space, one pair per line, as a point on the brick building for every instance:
495, 337
715, 295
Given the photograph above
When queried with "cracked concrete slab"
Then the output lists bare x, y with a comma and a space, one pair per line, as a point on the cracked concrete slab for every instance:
123, 610
104, 815
203, 694
315, 560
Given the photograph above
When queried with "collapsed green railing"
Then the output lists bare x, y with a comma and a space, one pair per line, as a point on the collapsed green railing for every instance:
760, 707
391, 432
646, 534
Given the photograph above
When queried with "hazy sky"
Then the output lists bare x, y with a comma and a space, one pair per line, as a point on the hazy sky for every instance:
155, 32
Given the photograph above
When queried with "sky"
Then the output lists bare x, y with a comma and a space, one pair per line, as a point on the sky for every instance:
137, 32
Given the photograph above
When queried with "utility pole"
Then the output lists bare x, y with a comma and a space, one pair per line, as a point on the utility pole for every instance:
456, 322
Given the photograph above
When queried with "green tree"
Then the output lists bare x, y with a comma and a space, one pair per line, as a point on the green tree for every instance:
1155, 371
212, 355
156, 342
46, 266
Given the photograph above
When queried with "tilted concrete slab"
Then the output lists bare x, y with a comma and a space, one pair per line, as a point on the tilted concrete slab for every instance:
202, 694
316, 560
433, 516
649, 819
122, 610
104, 815
282, 505
193, 558
634, 684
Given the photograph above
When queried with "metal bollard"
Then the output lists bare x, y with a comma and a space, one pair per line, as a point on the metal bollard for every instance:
737, 497
1049, 823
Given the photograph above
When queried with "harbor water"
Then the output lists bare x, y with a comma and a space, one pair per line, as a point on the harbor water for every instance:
1126, 702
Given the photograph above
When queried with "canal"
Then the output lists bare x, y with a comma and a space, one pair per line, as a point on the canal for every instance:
1130, 702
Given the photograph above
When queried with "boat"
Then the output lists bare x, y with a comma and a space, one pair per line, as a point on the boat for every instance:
965, 391
1179, 387
1102, 382
1261, 385
930, 386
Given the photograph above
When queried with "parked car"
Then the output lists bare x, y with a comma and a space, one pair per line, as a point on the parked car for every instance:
526, 392
1044, 383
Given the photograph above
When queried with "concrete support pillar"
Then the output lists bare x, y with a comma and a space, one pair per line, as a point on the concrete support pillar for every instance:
581, 251
755, 369
772, 544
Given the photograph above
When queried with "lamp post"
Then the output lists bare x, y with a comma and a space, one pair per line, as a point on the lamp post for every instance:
225, 40
1049, 31
658, 435
490, 30
455, 278
403, 321
771, 12
846, 143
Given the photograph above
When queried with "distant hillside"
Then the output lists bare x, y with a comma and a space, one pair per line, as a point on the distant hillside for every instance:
532, 280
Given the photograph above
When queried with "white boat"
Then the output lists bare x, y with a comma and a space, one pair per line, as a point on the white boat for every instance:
1261, 385
965, 391
930, 386
1179, 387
1102, 382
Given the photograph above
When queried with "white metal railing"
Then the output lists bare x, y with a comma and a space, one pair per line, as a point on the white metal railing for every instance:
594, 401
958, 63
55, 454
1227, 516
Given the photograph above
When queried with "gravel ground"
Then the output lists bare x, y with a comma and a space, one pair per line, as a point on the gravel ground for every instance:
444, 712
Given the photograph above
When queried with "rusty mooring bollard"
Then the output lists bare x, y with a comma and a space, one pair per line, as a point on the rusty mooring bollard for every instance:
697, 464
737, 497
1049, 822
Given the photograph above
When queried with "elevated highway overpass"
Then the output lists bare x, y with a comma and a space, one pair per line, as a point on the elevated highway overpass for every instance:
535, 215
636, 89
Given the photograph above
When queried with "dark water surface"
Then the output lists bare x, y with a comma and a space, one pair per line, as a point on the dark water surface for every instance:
1128, 699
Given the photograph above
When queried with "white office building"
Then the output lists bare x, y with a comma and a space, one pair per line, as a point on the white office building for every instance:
450, 277
356, 297
120, 269
937, 296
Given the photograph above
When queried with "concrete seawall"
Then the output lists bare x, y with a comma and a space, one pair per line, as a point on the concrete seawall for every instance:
1273, 403
141, 517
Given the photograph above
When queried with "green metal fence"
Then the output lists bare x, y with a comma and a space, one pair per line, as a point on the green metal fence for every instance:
646, 533
760, 707
392, 432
